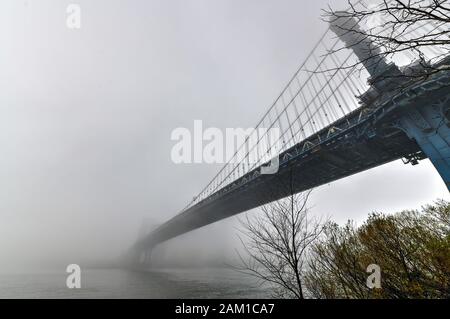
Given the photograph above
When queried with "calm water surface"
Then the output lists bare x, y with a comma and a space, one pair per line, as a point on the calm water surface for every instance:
116, 283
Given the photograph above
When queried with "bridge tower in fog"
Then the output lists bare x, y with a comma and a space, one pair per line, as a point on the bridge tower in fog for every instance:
427, 122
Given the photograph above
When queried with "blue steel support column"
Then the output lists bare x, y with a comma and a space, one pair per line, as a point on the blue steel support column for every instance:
430, 128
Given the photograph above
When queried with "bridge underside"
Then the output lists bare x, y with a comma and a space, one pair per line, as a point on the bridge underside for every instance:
382, 137
321, 165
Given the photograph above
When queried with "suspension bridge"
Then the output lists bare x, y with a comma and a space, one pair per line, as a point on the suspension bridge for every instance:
347, 109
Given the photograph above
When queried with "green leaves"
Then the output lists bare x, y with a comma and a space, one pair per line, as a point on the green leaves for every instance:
412, 249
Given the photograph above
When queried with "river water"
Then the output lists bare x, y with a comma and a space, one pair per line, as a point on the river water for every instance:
117, 283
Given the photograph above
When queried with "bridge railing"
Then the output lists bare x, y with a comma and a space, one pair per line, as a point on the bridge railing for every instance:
324, 89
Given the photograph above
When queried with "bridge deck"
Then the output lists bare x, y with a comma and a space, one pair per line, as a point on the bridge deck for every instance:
360, 141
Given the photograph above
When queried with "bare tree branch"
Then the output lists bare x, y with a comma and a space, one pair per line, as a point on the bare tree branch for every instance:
276, 244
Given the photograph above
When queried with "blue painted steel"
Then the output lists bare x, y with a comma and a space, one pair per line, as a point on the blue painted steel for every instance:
430, 128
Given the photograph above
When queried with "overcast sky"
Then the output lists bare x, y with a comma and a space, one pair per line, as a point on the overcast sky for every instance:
86, 117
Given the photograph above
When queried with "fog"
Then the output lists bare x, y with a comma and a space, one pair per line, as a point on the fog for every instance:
86, 117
